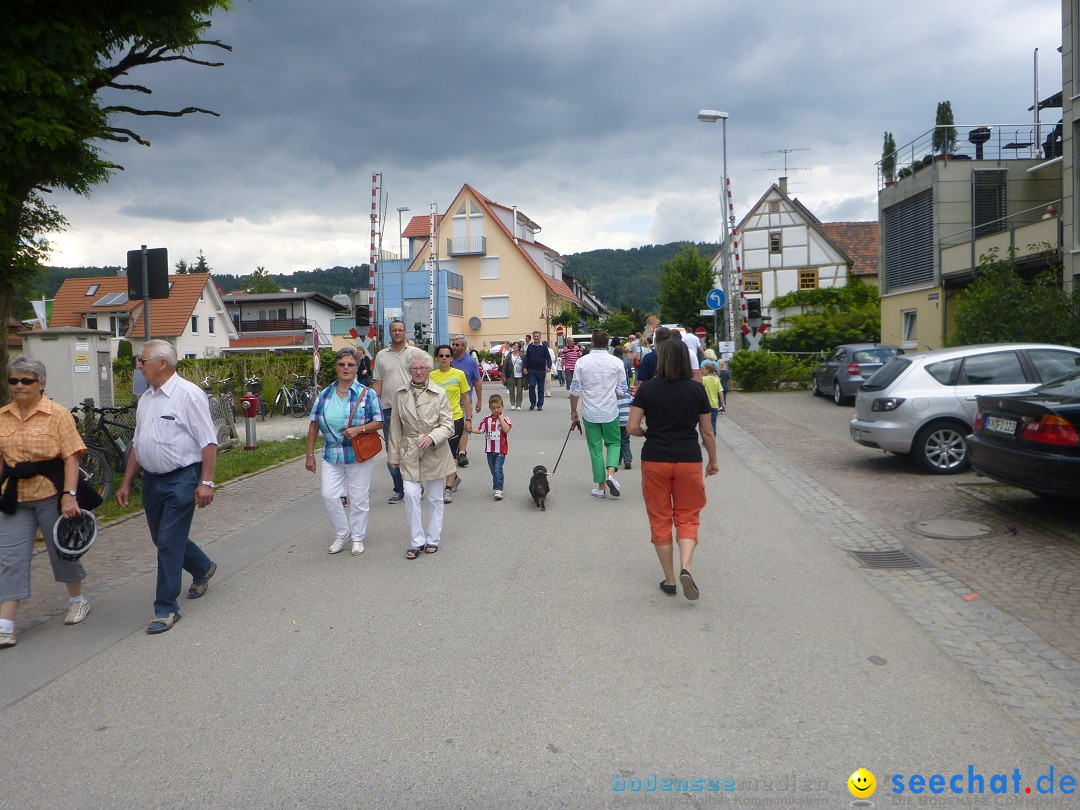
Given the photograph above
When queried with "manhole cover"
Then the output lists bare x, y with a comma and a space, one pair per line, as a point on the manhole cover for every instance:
946, 529
893, 559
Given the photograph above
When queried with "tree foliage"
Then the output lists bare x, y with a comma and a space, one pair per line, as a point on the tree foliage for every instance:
1001, 306
828, 316
260, 282
55, 60
686, 282
201, 265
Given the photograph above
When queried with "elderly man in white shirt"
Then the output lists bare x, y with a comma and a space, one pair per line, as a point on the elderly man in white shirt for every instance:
175, 447
598, 377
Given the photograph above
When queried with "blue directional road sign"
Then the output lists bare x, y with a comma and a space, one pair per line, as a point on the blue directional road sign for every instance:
715, 299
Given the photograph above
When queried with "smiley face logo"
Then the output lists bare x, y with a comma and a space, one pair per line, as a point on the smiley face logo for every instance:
862, 784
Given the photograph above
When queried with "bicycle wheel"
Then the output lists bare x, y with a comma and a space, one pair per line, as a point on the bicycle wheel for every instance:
300, 404
262, 409
95, 469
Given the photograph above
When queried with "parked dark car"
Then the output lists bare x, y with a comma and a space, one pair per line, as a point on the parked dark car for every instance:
1031, 440
848, 367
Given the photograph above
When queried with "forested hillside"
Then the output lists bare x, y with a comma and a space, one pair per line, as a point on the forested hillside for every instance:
616, 277
627, 276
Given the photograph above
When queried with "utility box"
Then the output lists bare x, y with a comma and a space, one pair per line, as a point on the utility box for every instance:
78, 364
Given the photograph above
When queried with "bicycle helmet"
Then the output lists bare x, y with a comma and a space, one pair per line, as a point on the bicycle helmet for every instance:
72, 537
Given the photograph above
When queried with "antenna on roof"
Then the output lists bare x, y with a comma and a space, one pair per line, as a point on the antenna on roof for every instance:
785, 153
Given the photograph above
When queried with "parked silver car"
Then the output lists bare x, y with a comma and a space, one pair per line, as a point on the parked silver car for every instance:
924, 404
847, 367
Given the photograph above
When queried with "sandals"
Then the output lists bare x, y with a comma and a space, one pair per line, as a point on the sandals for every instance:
414, 552
430, 549
162, 623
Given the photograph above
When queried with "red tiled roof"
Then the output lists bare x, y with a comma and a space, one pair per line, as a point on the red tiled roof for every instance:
859, 240
266, 342
421, 226
169, 317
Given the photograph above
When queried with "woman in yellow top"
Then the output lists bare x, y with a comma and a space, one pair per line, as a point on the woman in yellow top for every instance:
39, 449
457, 389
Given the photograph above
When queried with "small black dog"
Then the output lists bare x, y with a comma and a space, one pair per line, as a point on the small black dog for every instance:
538, 486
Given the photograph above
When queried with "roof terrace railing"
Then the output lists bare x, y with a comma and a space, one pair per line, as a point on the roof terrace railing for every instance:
973, 142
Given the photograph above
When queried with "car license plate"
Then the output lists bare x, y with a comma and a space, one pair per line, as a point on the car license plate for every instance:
1005, 427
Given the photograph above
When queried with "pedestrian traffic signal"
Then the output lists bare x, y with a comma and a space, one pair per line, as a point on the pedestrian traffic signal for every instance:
418, 331
753, 309
363, 315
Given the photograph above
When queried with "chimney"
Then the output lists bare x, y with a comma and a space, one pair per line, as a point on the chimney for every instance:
783, 185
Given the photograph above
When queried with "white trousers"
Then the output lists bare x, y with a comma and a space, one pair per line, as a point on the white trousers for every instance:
433, 494
352, 479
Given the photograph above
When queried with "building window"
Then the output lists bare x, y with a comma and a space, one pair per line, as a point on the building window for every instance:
194, 324
808, 279
752, 282
210, 324
909, 327
454, 305
774, 206
489, 267
91, 323
776, 242
93, 288
495, 306
454, 281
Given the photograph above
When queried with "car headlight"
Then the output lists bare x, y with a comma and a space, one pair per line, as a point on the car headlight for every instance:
886, 404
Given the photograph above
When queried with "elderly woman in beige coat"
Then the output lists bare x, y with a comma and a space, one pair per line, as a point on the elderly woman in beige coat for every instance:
421, 424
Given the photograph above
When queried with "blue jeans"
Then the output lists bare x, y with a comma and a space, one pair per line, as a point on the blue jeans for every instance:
626, 455
169, 503
537, 379
495, 464
395, 473
713, 412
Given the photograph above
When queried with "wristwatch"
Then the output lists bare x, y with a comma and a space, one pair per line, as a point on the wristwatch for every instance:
210, 484
70, 492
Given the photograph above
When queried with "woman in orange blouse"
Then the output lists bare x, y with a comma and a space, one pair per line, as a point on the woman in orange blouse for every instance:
38, 444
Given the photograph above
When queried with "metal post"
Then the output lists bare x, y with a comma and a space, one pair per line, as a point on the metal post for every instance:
401, 259
145, 295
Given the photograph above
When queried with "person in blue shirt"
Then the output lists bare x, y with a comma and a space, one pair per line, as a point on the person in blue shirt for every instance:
538, 366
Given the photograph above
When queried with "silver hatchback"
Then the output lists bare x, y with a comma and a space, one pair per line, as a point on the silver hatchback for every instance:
924, 404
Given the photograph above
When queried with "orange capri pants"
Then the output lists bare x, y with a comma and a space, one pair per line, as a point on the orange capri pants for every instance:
674, 494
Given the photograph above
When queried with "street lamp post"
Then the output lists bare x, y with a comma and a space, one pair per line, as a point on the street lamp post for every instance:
401, 260
711, 117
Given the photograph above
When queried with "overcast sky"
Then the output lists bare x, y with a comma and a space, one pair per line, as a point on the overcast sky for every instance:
582, 113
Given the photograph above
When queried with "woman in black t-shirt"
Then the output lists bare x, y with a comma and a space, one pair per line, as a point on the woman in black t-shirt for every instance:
670, 411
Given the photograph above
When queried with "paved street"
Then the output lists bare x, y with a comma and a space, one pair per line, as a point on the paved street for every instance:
533, 662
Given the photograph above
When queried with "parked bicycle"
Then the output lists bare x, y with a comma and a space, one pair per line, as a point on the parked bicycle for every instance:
222, 410
107, 434
254, 386
295, 398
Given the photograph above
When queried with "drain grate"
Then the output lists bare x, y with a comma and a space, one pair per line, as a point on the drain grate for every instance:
894, 559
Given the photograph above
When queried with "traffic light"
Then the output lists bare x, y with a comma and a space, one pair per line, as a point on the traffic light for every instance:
418, 331
363, 315
753, 309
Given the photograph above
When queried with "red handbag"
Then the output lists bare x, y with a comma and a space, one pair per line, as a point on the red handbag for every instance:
364, 445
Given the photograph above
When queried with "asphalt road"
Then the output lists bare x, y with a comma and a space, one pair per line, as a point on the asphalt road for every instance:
532, 662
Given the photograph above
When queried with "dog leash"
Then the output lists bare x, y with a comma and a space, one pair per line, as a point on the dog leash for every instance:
571, 430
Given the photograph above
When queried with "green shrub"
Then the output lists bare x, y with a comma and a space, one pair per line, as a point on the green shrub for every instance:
770, 371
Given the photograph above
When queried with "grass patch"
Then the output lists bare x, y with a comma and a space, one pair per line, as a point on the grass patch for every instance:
231, 464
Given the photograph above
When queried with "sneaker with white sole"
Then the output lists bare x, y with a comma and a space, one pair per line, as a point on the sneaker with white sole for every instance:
77, 612
337, 545
396, 497
598, 493
456, 484
613, 485
357, 548
447, 495
7, 639
498, 495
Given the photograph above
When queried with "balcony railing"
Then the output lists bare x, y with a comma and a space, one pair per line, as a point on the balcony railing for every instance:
976, 142
274, 325
467, 246
1023, 235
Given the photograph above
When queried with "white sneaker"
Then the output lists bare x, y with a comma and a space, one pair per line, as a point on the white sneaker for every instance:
498, 494
7, 639
598, 493
613, 485
447, 495
76, 612
337, 545
357, 548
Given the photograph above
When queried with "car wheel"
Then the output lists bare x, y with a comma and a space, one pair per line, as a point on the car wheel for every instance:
815, 389
941, 448
837, 395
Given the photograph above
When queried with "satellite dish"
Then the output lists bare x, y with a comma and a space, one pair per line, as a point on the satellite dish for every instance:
474, 322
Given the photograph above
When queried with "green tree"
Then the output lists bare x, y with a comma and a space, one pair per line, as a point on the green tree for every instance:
55, 60
828, 316
182, 267
686, 281
617, 324
944, 131
1001, 306
260, 282
201, 265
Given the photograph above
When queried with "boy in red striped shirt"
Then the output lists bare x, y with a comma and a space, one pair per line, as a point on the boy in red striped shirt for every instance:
495, 426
